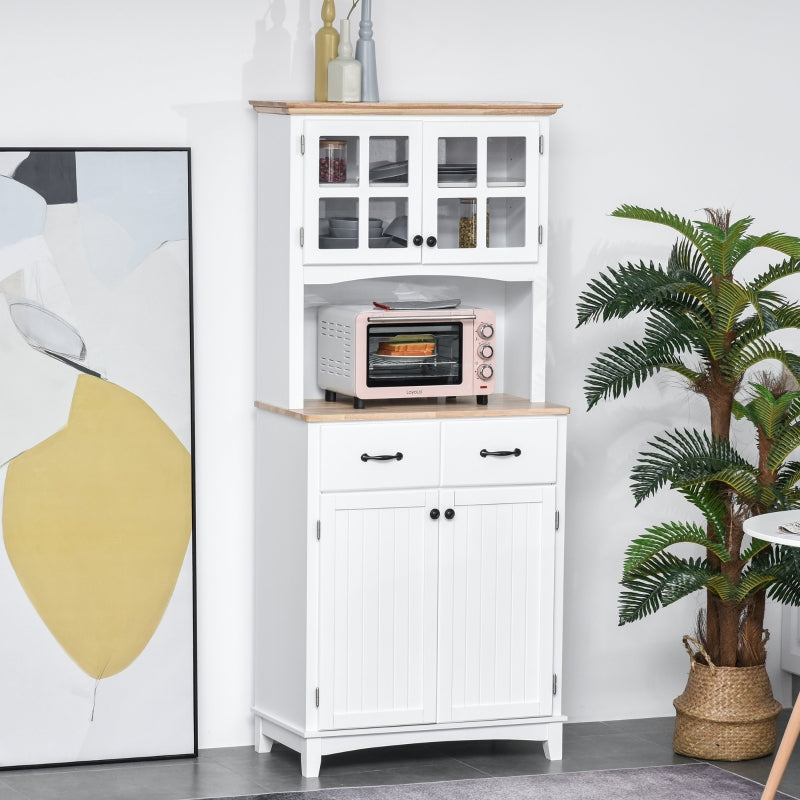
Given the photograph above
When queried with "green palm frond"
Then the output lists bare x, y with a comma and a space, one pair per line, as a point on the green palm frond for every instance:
719, 585
615, 372
660, 537
787, 441
679, 334
661, 581
787, 315
757, 546
687, 264
725, 245
707, 499
785, 590
790, 266
768, 412
700, 239
786, 587
788, 476
754, 579
731, 301
775, 240
635, 287
753, 353
685, 458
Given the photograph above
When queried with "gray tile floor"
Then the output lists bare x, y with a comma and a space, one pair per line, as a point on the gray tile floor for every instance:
234, 771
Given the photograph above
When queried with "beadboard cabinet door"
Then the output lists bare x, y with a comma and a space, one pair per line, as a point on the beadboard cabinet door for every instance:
378, 575
496, 590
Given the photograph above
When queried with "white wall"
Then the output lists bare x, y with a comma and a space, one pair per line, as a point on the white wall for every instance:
680, 104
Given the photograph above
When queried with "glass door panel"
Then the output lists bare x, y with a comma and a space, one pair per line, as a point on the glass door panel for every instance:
338, 223
388, 160
505, 219
338, 160
506, 161
388, 222
457, 160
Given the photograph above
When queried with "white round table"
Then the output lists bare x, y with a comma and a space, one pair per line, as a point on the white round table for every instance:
765, 527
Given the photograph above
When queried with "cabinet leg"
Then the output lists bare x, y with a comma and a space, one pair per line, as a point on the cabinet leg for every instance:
311, 758
553, 750
263, 743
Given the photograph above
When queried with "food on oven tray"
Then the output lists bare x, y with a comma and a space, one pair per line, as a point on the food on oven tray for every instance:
407, 344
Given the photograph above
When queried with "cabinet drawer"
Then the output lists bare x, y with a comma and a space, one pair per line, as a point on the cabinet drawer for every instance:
499, 451
350, 455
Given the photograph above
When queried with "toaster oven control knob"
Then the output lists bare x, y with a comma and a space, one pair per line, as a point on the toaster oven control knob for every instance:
486, 331
485, 371
486, 351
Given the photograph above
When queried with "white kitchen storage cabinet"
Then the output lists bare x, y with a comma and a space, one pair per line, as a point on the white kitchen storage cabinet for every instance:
409, 555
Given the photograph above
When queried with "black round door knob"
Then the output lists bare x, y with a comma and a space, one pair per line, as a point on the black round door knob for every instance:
449, 513
434, 513
431, 241
417, 240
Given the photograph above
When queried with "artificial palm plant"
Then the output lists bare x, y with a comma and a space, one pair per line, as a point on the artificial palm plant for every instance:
714, 329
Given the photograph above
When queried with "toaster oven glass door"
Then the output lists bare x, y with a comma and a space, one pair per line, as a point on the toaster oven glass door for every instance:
427, 353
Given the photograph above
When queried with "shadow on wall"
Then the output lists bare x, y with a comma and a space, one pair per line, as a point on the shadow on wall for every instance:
279, 62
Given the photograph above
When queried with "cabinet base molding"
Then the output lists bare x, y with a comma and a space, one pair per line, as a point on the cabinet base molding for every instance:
312, 745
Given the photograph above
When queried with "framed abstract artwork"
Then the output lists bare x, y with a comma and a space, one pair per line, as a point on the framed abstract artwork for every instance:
97, 578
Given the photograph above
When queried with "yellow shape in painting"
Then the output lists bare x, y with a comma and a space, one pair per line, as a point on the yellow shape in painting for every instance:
96, 522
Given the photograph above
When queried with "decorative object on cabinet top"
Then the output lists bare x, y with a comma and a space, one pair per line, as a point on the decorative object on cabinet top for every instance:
503, 405
411, 109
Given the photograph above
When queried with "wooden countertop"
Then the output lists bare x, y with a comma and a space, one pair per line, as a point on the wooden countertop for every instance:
500, 405
408, 109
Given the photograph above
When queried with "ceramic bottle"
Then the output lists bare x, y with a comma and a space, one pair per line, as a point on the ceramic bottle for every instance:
365, 55
326, 45
344, 72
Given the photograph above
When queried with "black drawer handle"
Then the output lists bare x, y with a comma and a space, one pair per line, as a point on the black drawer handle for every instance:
395, 457
515, 452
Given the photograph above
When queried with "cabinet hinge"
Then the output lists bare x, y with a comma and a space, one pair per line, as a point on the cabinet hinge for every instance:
558, 522
302, 145
555, 685
541, 234
541, 145
302, 236
319, 529
316, 696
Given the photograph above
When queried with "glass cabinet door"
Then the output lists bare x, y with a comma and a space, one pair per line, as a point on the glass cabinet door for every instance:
421, 192
361, 191
481, 192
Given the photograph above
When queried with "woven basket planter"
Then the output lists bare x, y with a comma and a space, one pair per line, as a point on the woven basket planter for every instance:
725, 713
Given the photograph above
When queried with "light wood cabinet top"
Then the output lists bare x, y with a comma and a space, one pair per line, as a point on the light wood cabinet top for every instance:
500, 405
408, 109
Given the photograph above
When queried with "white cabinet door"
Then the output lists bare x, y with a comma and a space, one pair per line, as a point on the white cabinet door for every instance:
382, 184
451, 192
377, 609
496, 566
481, 192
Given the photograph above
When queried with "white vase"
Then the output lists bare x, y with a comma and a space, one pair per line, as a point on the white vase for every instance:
344, 72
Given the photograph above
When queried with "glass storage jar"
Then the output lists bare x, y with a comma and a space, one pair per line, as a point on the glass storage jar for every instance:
332, 161
467, 222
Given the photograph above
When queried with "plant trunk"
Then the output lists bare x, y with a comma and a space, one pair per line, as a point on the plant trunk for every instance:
722, 619
752, 651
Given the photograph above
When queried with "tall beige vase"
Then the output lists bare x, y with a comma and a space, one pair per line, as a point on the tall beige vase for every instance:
326, 48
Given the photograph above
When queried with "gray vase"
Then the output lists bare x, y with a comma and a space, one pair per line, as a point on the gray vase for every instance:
365, 53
